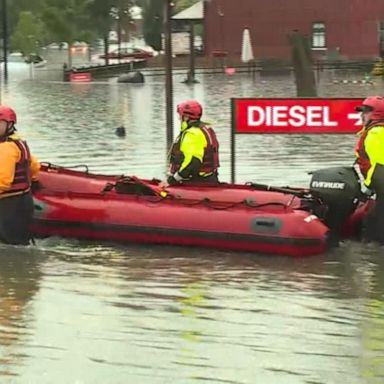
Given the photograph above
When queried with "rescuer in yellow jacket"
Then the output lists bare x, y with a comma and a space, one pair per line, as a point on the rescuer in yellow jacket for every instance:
194, 156
18, 168
370, 164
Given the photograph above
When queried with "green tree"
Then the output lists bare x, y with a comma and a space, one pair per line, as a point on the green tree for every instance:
67, 20
100, 14
70, 20
15, 7
103, 15
153, 22
123, 11
28, 34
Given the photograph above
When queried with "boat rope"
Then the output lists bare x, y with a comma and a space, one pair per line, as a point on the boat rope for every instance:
213, 204
58, 167
135, 186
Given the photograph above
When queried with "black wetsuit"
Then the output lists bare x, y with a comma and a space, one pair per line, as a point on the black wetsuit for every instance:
16, 214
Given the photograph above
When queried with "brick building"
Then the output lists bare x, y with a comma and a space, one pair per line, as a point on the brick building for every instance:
346, 29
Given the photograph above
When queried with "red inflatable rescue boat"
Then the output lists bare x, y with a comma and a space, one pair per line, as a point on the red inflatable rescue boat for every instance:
78, 204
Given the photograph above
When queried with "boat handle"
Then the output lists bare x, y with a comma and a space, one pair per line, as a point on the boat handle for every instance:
266, 225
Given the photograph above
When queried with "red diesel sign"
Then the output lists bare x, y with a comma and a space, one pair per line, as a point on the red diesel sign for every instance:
296, 115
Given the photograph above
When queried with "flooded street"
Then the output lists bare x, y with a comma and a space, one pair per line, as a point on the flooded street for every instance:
78, 312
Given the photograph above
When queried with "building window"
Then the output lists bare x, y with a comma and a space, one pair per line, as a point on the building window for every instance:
318, 35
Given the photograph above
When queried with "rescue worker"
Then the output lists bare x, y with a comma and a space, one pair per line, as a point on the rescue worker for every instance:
370, 164
18, 168
194, 156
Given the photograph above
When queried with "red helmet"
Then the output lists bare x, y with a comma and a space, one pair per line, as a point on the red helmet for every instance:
373, 106
7, 114
191, 109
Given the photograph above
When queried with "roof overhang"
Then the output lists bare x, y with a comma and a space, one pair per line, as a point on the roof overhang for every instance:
193, 13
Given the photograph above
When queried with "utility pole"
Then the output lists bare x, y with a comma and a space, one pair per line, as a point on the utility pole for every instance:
119, 15
168, 72
191, 73
119, 36
5, 39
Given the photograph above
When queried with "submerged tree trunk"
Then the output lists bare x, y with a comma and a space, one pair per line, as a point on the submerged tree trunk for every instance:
106, 48
302, 65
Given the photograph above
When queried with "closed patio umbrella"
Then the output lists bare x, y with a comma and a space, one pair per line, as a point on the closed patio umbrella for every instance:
246, 47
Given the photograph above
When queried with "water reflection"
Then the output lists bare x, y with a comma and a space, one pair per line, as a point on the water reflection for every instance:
166, 314
19, 283
198, 316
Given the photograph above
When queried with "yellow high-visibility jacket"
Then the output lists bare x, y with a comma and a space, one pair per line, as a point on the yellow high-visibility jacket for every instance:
193, 144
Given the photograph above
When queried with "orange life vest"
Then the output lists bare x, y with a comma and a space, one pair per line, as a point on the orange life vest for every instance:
21, 181
362, 158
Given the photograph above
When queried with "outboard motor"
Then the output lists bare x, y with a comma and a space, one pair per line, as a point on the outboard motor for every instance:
339, 189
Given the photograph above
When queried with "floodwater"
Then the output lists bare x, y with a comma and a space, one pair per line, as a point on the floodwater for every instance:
79, 312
